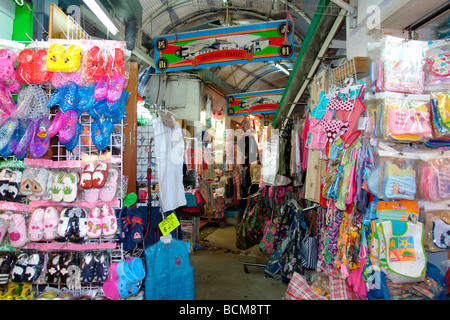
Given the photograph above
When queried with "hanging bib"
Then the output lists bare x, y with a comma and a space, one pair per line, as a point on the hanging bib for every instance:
405, 256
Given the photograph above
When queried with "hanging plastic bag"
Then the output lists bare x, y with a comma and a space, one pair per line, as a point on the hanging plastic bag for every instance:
397, 175
407, 118
403, 65
437, 226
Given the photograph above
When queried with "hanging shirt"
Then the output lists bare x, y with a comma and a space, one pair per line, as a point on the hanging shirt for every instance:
169, 152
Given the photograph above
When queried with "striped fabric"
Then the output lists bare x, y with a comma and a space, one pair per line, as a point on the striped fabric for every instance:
298, 289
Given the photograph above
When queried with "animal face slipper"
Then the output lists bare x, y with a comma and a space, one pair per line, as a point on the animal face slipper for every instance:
99, 175
86, 175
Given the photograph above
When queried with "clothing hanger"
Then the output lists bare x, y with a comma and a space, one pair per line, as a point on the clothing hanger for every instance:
166, 239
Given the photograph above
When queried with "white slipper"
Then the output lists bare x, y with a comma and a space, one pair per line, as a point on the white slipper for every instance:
26, 183
40, 182
48, 189
57, 187
70, 189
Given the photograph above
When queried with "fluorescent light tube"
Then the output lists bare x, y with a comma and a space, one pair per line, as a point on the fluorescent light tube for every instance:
279, 66
101, 13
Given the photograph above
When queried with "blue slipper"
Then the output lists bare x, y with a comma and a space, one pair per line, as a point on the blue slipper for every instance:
101, 133
121, 111
56, 97
7, 130
68, 101
87, 99
137, 268
72, 143
15, 137
130, 276
124, 226
24, 142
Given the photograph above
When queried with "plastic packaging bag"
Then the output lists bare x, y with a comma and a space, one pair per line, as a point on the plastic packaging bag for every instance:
397, 175
437, 67
437, 226
407, 117
403, 65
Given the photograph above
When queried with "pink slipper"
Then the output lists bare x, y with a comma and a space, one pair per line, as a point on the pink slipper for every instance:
109, 221
101, 90
69, 126
99, 175
57, 123
51, 221
115, 89
36, 225
110, 286
94, 223
17, 231
91, 195
108, 191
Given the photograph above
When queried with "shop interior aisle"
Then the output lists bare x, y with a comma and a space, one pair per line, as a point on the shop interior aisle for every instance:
219, 270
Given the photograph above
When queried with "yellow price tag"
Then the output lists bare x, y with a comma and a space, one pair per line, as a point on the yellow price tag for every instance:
169, 224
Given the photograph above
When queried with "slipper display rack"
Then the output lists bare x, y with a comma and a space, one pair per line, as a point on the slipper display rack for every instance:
94, 255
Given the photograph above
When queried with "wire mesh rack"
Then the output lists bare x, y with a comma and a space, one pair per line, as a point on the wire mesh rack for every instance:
85, 147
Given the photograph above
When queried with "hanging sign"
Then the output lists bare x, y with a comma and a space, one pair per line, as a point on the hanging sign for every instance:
270, 41
169, 224
261, 102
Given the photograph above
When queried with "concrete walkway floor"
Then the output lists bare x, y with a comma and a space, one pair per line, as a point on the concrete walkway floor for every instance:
220, 275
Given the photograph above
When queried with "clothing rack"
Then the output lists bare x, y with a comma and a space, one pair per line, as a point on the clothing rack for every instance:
261, 265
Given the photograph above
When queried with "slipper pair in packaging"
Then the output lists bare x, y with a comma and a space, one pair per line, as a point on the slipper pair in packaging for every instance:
43, 224
93, 63
17, 138
64, 186
101, 222
31, 103
63, 268
125, 278
72, 225
9, 185
95, 266
38, 183
100, 181
132, 224
15, 226
28, 267
110, 89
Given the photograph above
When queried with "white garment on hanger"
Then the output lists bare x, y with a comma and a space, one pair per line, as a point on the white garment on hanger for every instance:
169, 153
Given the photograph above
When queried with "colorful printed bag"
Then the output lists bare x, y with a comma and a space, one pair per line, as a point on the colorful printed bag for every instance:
249, 231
